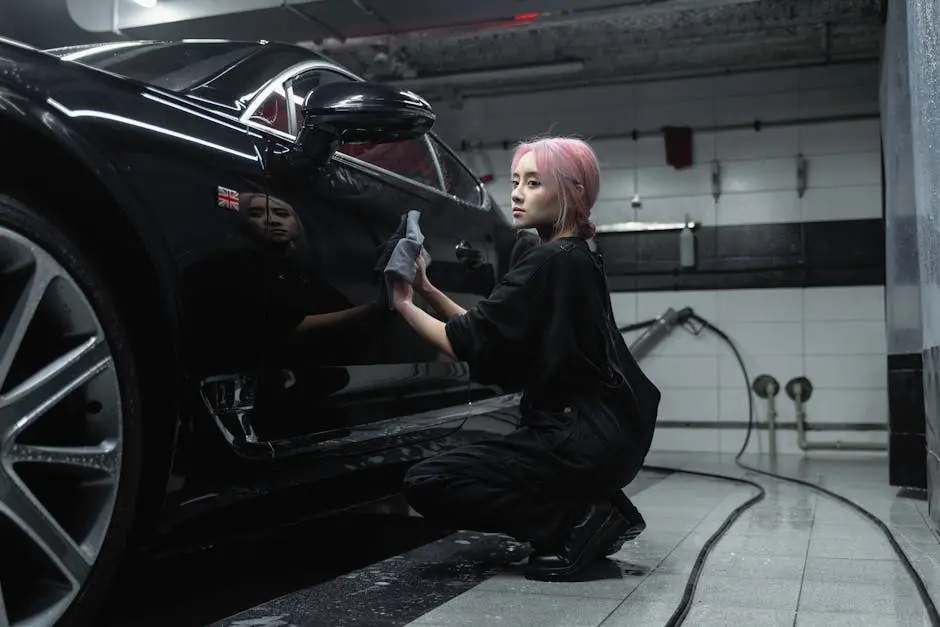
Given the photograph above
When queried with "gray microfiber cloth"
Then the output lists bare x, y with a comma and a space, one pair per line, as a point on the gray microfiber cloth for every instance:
401, 254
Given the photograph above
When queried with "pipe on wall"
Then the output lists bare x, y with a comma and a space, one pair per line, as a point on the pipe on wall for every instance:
799, 389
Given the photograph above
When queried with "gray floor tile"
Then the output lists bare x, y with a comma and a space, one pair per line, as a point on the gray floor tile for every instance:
641, 614
736, 565
916, 535
899, 514
831, 619
858, 571
769, 520
763, 545
828, 596
851, 548
659, 588
715, 615
774, 594
479, 608
608, 588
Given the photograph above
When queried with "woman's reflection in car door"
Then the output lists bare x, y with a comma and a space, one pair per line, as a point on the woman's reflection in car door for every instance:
349, 361
310, 322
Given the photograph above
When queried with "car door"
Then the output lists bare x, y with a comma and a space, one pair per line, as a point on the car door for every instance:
341, 365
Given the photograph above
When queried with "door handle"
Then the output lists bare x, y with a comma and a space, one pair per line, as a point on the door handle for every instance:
467, 253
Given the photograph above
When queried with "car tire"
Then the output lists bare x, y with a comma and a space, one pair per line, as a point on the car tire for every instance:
26, 219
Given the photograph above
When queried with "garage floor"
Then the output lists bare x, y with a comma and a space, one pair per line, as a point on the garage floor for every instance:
797, 558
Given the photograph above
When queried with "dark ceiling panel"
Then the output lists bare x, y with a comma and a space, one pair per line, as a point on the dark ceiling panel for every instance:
419, 14
343, 18
269, 24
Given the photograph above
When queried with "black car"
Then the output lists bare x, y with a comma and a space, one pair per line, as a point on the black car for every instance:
192, 309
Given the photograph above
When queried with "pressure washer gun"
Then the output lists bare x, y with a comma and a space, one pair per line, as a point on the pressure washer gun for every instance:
656, 330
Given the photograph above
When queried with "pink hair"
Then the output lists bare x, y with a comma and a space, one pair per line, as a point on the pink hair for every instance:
565, 163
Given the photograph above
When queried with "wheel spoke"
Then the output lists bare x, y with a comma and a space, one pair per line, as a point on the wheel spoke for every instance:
25, 403
103, 457
4, 621
15, 327
60, 522
32, 518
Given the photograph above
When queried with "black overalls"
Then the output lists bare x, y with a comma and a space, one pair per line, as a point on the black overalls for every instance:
588, 411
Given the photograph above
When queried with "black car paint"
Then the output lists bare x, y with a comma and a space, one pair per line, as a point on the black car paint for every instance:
164, 157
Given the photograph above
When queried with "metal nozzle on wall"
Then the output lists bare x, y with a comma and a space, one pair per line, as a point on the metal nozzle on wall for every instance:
800, 390
767, 387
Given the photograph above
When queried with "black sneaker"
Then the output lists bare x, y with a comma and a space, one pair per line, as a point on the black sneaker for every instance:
601, 525
633, 516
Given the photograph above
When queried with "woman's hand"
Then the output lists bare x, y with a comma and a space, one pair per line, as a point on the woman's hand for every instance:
402, 294
421, 282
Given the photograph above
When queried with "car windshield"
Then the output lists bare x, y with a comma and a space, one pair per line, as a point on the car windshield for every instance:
171, 65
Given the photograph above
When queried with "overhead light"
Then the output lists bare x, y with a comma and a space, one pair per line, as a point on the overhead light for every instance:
640, 227
147, 4
467, 78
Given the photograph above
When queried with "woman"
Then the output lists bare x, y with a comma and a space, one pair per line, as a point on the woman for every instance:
588, 411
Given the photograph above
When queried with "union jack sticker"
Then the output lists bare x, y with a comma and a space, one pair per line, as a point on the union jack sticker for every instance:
228, 198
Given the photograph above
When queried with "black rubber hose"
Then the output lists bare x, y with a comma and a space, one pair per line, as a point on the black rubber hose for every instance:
637, 326
682, 610
925, 597
685, 604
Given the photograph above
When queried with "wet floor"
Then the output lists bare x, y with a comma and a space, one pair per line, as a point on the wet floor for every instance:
795, 559
195, 589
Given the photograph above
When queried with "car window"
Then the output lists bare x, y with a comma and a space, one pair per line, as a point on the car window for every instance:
458, 180
410, 158
176, 66
302, 85
273, 111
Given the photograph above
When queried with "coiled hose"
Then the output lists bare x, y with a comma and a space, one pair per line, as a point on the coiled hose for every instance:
685, 604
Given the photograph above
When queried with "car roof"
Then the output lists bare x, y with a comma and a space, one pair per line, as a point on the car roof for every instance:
231, 67
62, 51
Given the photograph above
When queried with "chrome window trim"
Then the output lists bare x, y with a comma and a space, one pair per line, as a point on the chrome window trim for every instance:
481, 192
280, 79
291, 109
437, 163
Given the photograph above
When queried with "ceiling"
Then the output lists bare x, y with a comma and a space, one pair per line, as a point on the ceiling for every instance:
503, 44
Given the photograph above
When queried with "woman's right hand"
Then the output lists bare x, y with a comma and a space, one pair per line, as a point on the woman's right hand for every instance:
421, 282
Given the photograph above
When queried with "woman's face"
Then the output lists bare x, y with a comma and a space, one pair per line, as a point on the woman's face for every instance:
533, 205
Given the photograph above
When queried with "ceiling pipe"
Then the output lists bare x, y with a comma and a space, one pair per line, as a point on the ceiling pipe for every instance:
485, 76
615, 78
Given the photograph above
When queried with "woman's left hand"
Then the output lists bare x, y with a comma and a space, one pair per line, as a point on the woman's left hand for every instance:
402, 294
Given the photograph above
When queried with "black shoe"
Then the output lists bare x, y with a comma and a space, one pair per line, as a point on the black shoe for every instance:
635, 519
601, 525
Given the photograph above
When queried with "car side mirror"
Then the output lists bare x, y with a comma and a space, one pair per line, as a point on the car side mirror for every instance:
360, 112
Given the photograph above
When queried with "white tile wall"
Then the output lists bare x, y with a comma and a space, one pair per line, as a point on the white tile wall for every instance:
758, 169
835, 337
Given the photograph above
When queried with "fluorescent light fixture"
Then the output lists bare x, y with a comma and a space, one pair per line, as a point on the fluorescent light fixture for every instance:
640, 227
147, 4
469, 78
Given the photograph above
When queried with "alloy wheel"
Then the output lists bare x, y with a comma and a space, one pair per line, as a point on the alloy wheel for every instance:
60, 435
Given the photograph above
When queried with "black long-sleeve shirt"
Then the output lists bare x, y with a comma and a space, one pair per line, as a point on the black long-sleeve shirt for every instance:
548, 329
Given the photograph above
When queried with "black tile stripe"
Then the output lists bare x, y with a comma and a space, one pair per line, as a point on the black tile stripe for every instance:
800, 254
401, 589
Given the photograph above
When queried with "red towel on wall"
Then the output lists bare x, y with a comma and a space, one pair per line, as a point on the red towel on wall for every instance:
678, 146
